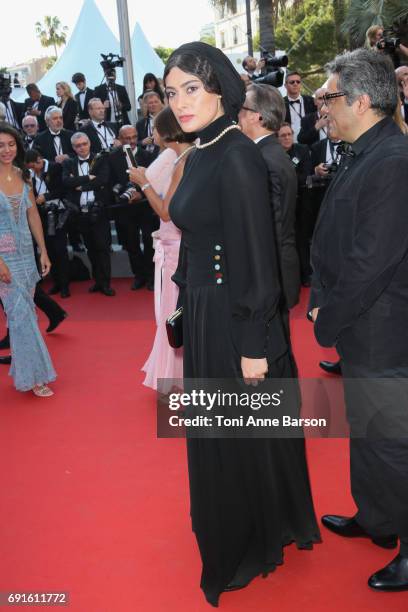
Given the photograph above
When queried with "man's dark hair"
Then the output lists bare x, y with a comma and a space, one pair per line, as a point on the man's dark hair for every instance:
268, 102
362, 72
78, 77
169, 129
291, 74
32, 87
199, 66
32, 156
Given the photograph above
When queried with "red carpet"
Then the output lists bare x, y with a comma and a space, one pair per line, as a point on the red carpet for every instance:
93, 504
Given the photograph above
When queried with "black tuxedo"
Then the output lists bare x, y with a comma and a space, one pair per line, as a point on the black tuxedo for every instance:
308, 133
101, 91
43, 103
28, 142
69, 113
360, 283
44, 143
93, 223
83, 113
17, 110
142, 128
56, 242
300, 156
308, 106
91, 132
133, 219
282, 193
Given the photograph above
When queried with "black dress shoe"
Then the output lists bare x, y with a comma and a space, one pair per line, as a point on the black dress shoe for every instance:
108, 291
65, 292
138, 283
54, 290
56, 321
5, 360
94, 288
331, 367
5, 342
349, 528
393, 577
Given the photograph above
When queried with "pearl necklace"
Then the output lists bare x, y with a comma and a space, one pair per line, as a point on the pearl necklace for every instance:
217, 138
180, 157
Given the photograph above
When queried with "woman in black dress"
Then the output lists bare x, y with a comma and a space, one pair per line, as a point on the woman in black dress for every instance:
67, 103
249, 497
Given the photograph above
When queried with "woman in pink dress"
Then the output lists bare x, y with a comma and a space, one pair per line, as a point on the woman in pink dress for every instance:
159, 182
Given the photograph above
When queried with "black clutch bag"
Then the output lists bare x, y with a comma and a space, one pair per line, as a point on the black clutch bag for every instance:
174, 328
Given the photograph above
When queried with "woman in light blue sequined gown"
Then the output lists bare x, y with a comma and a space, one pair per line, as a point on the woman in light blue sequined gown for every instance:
31, 367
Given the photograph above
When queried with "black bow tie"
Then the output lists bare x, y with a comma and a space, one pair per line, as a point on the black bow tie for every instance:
102, 124
29, 139
345, 149
56, 135
294, 101
84, 161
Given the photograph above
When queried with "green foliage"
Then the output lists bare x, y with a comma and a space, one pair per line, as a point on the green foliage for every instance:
309, 34
362, 14
52, 33
163, 52
210, 40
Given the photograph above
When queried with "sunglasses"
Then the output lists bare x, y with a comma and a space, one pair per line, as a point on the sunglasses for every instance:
294, 82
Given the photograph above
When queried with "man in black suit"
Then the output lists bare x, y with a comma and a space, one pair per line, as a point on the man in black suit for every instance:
313, 127
359, 297
115, 99
297, 106
83, 96
86, 179
260, 119
54, 143
49, 192
134, 218
252, 67
36, 104
402, 79
14, 111
144, 127
30, 129
102, 134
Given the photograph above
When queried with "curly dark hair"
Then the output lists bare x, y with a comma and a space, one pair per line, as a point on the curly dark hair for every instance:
19, 160
197, 65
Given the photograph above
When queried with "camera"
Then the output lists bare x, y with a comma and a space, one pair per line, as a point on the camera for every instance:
331, 168
272, 73
51, 208
394, 36
109, 63
5, 85
124, 193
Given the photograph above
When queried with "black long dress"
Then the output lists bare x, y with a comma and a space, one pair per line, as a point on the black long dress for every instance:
249, 497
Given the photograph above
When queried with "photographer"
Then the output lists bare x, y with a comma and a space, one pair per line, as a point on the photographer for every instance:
86, 179
30, 129
102, 134
54, 143
394, 41
132, 220
13, 110
313, 127
115, 99
252, 67
48, 192
36, 105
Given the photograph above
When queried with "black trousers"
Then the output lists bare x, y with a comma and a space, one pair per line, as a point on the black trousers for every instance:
307, 211
97, 239
377, 412
137, 220
58, 254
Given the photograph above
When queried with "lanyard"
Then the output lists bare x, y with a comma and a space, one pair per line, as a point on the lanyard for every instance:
104, 137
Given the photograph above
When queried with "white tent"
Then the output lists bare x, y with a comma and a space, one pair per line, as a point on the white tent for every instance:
91, 37
145, 58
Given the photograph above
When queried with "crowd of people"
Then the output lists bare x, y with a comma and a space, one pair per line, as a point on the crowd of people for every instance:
230, 182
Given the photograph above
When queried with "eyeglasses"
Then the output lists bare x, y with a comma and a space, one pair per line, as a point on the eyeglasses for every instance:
331, 96
294, 82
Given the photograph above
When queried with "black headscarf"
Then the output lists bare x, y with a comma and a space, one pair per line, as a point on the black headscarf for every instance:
231, 85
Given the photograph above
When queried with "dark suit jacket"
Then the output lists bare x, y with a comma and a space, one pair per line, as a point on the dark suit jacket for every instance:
318, 153
303, 168
83, 114
282, 194
69, 113
360, 253
308, 133
308, 105
90, 131
43, 104
102, 93
118, 165
44, 143
99, 185
53, 182
142, 133
18, 111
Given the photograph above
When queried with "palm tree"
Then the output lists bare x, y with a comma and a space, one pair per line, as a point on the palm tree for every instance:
362, 14
51, 33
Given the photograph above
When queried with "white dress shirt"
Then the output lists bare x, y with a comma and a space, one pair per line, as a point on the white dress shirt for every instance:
105, 135
87, 197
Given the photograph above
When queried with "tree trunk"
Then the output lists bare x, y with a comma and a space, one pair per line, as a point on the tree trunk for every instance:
249, 27
55, 49
266, 29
